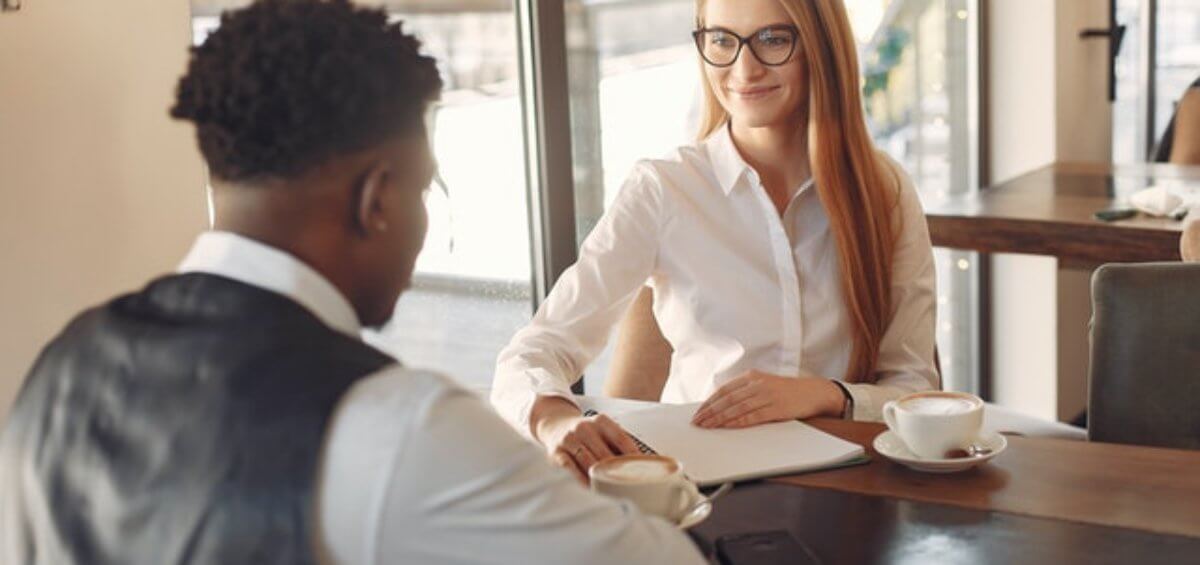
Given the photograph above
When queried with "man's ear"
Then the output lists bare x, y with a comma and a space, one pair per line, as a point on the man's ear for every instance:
368, 206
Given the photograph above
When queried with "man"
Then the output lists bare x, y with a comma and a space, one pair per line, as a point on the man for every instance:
230, 413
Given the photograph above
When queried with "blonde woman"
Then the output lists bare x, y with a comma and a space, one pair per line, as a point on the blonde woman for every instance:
790, 260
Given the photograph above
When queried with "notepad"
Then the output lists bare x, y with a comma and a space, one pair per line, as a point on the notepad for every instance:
716, 456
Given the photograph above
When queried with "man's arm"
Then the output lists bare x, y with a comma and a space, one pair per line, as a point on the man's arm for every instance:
462, 486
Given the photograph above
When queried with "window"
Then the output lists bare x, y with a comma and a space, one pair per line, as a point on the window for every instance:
1172, 27
472, 289
917, 92
634, 84
1178, 57
1129, 136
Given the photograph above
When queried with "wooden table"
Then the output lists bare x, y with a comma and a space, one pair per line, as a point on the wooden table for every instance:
1042, 500
1049, 212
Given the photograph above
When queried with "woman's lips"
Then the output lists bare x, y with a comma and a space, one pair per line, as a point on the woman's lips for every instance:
753, 93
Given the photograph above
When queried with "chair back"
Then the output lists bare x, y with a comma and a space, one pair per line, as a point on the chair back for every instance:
642, 356
1144, 380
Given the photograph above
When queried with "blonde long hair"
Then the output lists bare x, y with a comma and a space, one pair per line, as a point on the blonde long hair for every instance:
857, 187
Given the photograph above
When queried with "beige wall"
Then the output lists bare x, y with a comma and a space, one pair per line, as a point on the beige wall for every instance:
1084, 119
101, 190
1047, 103
1022, 138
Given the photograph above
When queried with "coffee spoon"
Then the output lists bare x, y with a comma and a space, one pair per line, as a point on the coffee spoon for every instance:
972, 450
708, 500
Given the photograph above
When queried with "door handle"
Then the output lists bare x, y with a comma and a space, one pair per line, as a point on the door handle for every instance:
1115, 36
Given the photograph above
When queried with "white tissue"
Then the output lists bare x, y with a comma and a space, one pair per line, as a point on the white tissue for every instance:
1156, 201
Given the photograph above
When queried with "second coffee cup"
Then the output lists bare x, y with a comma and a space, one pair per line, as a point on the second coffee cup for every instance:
935, 424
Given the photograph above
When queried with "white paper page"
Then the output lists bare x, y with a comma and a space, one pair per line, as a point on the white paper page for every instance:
613, 407
714, 456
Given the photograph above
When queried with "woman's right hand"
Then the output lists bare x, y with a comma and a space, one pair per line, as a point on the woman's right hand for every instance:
576, 442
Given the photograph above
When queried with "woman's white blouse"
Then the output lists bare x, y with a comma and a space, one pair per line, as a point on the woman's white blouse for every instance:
736, 288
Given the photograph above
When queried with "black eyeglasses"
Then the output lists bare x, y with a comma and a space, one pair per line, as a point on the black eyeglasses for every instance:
771, 45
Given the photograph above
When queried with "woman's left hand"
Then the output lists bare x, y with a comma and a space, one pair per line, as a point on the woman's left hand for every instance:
757, 397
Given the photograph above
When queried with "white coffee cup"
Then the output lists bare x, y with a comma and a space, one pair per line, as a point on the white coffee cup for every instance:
654, 483
935, 424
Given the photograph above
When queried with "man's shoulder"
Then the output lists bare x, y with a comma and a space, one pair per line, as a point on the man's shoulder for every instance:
398, 380
399, 392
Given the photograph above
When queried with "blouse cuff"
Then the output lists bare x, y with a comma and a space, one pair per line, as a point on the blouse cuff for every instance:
862, 403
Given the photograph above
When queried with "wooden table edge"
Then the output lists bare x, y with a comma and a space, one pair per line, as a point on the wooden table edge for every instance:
828, 480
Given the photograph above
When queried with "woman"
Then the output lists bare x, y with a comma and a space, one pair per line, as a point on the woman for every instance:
790, 261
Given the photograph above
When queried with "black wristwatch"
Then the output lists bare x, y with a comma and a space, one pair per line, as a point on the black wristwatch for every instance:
848, 410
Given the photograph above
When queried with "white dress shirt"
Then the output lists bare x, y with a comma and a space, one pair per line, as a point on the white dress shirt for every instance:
736, 288
415, 469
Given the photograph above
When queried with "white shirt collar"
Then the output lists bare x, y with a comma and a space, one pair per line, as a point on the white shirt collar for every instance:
728, 164
244, 260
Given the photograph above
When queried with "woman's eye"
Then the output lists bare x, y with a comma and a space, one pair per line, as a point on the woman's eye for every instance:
773, 40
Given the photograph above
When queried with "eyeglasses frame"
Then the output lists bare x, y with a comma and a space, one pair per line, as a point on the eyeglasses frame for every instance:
743, 41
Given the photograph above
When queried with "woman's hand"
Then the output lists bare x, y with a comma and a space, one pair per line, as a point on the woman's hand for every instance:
757, 397
575, 442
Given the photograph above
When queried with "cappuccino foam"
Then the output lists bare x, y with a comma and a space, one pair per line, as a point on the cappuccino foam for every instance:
639, 471
938, 405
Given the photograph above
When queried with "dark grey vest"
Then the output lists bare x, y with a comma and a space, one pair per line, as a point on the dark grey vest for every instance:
183, 424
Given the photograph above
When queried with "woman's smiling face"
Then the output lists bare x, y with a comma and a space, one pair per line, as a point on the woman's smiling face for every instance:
755, 94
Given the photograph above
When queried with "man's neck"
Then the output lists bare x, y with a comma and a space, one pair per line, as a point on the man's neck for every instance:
310, 242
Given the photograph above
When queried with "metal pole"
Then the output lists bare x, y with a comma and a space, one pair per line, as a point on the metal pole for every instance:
545, 104
547, 114
1148, 76
980, 117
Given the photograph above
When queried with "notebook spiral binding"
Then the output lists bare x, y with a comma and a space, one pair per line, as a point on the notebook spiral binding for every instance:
646, 449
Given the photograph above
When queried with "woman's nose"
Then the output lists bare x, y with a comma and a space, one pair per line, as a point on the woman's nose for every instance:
747, 66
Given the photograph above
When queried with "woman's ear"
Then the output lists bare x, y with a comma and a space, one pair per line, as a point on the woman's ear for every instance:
369, 203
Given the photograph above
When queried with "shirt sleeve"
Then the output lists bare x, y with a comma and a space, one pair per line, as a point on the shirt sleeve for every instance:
572, 326
906, 352
462, 487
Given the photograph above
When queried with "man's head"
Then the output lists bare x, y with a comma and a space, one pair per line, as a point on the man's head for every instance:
311, 117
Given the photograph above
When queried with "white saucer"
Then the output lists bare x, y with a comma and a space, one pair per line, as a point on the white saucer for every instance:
698, 513
694, 517
889, 445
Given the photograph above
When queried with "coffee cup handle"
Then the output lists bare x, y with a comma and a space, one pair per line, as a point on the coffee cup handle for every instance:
889, 415
685, 494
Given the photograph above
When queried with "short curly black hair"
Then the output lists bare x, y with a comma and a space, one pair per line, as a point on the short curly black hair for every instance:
284, 85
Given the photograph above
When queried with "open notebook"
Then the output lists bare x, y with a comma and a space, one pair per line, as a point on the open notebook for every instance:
717, 456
